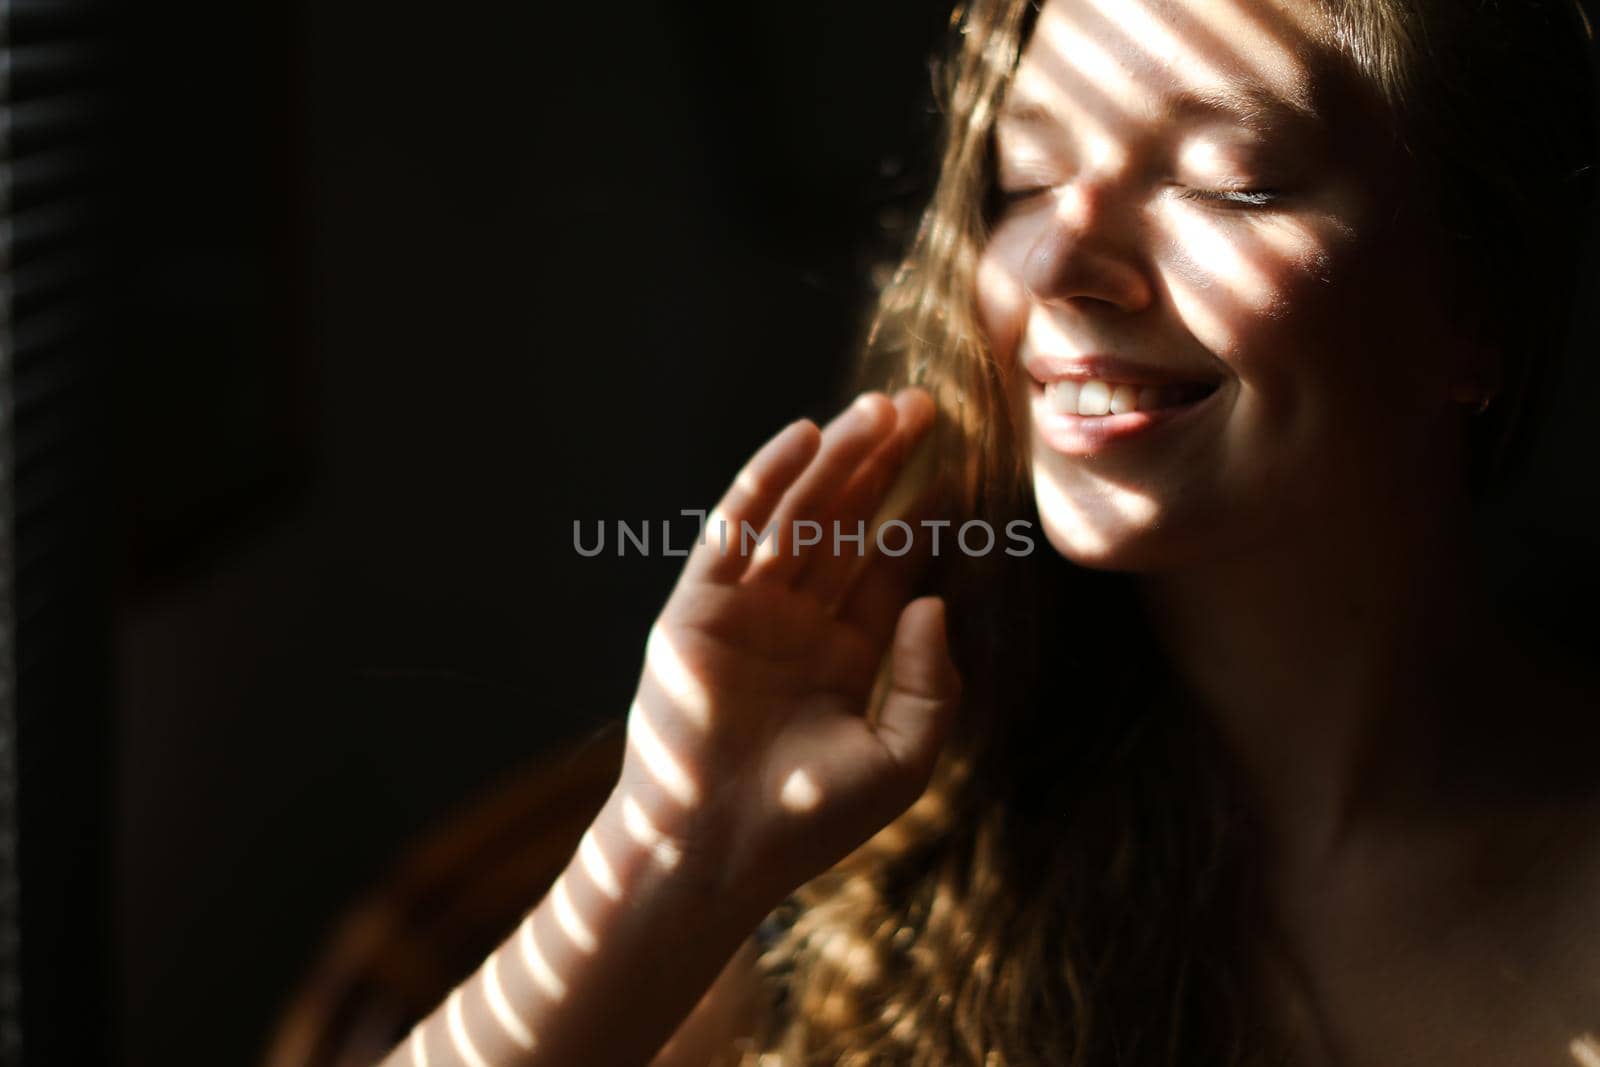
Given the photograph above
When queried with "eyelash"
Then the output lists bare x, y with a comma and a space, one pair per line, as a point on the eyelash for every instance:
1016, 196
1239, 197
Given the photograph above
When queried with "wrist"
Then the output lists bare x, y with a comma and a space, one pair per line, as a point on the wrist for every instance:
665, 877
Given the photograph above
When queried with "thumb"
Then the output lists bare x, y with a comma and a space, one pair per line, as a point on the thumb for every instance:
924, 689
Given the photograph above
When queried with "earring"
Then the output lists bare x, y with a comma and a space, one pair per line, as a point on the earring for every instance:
1476, 398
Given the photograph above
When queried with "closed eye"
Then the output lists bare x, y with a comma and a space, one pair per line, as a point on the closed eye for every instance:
1243, 197
1017, 196
1239, 197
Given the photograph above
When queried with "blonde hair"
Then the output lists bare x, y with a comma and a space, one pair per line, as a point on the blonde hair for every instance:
1073, 887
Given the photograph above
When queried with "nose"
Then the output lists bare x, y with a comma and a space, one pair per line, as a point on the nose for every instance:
1082, 252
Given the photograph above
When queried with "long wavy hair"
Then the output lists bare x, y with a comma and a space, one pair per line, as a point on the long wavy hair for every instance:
1075, 887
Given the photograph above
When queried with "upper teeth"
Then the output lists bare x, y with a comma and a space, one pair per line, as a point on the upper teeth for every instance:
1096, 397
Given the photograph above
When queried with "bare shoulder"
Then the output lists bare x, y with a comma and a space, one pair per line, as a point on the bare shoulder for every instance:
1551, 929
729, 1010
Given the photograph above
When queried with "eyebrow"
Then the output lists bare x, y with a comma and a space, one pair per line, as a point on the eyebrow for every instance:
1250, 105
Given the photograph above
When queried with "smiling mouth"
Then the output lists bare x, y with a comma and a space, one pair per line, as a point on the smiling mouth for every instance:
1095, 397
1084, 417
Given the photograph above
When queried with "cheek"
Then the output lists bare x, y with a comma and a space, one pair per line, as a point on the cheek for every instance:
1001, 298
1246, 289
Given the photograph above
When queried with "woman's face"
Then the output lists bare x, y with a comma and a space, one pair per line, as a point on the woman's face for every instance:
1204, 232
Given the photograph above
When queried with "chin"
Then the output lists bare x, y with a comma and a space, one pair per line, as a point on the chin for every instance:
1123, 551
1113, 530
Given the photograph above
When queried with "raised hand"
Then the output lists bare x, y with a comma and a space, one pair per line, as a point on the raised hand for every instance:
751, 765
751, 758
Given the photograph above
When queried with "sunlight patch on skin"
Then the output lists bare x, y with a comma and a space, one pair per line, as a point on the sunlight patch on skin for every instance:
760, 545
1585, 1050
747, 483
1196, 304
543, 975
1290, 241
570, 921
597, 867
1159, 42
689, 695
1251, 43
1074, 523
1085, 59
644, 832
419, 1048
1131, 506
500, 1005
1002, 289
715, 529
458, 1033
658, 760
1065, 516
1156, 45
1215, 255
800, 793
1046, 337
1053, 502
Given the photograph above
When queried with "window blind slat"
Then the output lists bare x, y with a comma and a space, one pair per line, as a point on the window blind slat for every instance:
55, 62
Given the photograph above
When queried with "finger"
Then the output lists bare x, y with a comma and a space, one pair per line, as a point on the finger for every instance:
828, 573
877, 591
847, 440
924, 691
755, 492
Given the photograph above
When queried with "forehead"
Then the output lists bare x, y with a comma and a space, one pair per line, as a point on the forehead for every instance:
1111, 62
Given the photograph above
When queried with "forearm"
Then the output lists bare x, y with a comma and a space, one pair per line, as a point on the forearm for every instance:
601, 972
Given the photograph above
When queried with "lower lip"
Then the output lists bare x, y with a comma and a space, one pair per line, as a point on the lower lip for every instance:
1088, 435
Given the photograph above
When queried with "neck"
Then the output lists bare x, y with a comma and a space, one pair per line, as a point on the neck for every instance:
1325, 663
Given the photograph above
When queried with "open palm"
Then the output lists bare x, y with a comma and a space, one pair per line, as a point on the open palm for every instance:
749, 743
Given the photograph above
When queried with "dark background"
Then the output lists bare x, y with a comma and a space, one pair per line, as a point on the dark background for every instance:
400, 292
410, 288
